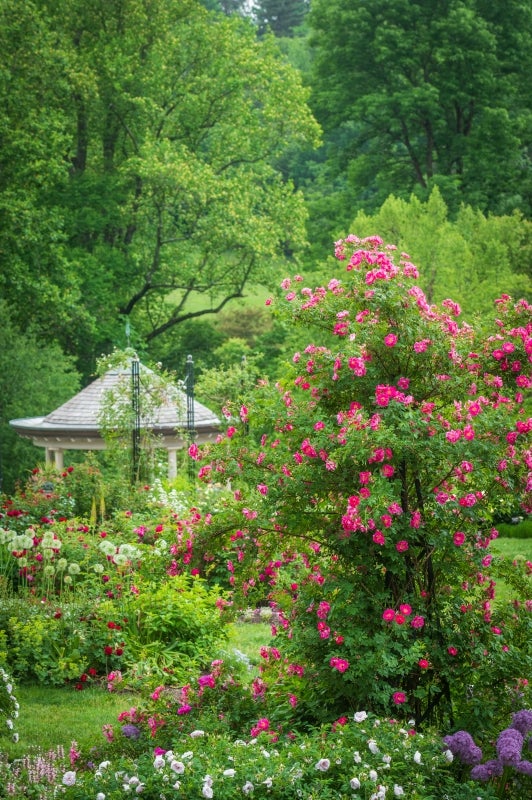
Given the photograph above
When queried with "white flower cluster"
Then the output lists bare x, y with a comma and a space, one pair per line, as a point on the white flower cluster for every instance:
8, 703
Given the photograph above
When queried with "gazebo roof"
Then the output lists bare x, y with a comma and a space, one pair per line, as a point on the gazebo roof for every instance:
76, 424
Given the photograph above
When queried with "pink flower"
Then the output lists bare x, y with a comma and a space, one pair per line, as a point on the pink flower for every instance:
402, 546
399, 697
193, 451
468, 500
388, 615
387, 470
399, 619
390, 340
453, 436
292, 699
423, 663
459, 538
262, 488
452, 651
415, 519
417, 622
340, 664
323, 609
405, 609
231, 431
378, 538
421, 346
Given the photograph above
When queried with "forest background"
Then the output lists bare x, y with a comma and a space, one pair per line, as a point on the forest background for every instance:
164, 163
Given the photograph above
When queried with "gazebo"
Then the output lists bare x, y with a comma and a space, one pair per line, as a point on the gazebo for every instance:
76, 424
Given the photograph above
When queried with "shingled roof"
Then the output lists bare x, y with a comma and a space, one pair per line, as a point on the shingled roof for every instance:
76, 424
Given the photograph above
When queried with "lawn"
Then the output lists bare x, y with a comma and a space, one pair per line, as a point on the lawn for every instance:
51, 716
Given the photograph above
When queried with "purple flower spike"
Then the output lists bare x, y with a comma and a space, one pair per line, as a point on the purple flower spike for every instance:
462, 746
509, 746
522, 721
483, 772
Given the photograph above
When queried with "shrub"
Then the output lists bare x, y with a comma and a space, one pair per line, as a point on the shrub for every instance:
365, 487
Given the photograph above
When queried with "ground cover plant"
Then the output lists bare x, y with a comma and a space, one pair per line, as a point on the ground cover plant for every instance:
357, 500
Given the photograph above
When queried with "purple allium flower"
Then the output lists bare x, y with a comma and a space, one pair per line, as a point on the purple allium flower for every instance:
461, 744
522, 721
509, 746
483, 772
131, 731
525, 767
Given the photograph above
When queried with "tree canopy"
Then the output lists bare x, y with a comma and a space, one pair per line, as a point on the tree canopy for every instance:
166, 199
417, 93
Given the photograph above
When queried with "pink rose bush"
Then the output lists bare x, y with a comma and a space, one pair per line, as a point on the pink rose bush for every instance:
368, 478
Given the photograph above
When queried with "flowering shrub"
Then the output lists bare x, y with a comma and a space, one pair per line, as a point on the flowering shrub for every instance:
9, 706
365, 488
362, 759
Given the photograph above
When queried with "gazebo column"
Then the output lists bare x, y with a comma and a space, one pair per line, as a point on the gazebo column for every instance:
54, 455
172, 463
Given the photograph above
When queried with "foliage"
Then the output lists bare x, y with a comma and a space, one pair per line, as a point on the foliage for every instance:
280, 16
363, 759
35, 377
364, 497
167, 198
9, 705
414, 95
125, 413
519, 530
494, 253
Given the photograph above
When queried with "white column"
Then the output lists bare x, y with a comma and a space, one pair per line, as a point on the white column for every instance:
59, 459
172, 464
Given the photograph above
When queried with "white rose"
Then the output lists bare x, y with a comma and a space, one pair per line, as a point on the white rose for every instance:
69, 778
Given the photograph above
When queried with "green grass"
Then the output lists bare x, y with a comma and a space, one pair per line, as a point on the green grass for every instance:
51, 716
513, 548
249, 637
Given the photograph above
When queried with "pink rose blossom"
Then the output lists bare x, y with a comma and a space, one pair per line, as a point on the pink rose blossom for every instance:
340, 664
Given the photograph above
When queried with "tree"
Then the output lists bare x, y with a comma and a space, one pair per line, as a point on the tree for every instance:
425, 94
473, 258
280, 16
34, 134
35, 378
365, 489
168, 202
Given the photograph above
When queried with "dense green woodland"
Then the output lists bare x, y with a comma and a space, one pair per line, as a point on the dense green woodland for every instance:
160, 160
